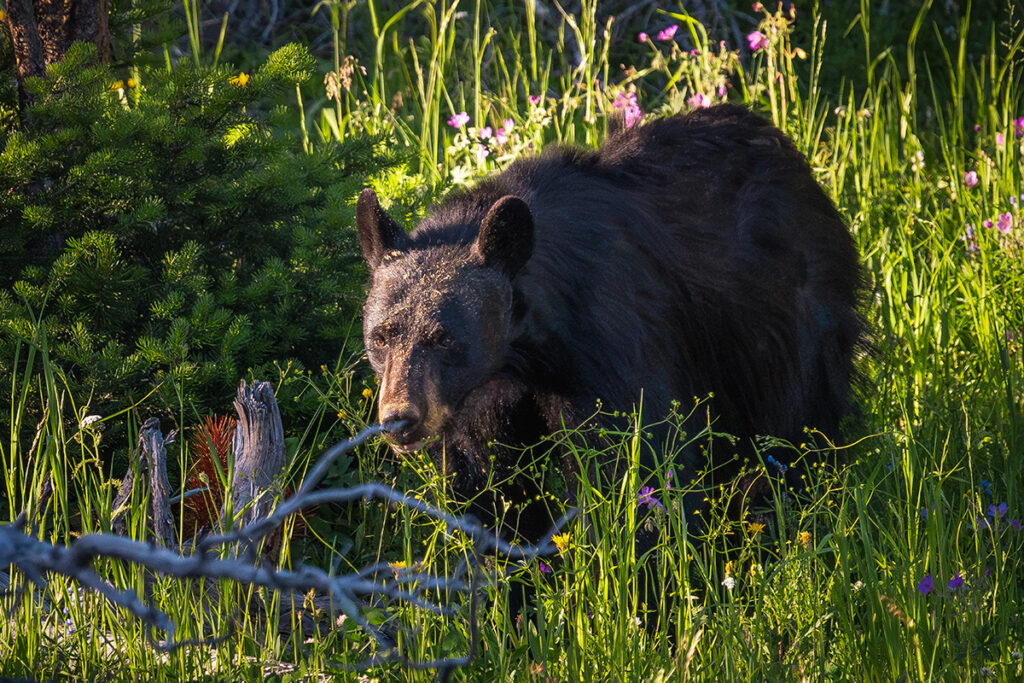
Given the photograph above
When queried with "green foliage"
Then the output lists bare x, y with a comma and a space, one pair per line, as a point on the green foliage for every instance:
165, 234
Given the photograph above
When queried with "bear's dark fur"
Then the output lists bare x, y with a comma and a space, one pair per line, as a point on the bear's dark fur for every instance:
688, 255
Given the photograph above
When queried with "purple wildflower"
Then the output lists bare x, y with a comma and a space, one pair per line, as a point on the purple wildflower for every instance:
699, 101
647, 498
956, 583
1018, 126
668, 479
757, 40
970, 241
544, 568
1005, 222
971, 178
987, 485
668, 33
721, 92
626, 102
459, 120
926, 585
997, 512
1016, 525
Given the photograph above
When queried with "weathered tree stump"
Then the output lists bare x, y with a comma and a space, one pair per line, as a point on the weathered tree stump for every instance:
259, 453
151, 454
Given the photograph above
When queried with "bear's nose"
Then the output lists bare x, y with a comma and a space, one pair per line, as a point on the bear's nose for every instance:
405, 417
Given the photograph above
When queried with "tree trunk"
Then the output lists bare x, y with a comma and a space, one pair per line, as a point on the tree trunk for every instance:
43, 30
259, 453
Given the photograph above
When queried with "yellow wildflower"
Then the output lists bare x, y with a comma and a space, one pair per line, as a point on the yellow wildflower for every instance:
755, 528
728, 568
799, 53
342, 414
755, 569
805, 538
130, 83
561, 541
367, 393
241, 80
116, 85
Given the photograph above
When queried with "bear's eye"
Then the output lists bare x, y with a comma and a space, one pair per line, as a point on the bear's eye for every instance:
443, 340
379, 340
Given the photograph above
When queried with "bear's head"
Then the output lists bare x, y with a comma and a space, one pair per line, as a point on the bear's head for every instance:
438, 316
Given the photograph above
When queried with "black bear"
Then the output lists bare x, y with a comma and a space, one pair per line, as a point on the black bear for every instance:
688, 255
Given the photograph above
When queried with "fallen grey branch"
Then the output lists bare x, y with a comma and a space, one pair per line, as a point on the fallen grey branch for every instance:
36, 558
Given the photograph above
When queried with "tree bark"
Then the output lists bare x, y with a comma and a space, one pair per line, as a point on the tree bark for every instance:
43, 30
259, 453
151, 454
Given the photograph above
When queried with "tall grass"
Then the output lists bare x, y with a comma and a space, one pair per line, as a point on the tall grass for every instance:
831, 583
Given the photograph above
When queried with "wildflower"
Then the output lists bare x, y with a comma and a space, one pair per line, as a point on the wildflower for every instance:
755, 528
239, 81
987, 224
1016, 525
755, 569
342, 414
997, 512
805, 539
367, 393
399, 565
116, 85
917, 161
485, 132
130, 83
857, 586
699, 101
646, 497
667, 33
500, 137
729, 583
1013, 200
924, 514
757, 7
757, 40
88, 420
799, 53
1000, 139
1005, 222
987, 485
626, 102
641, 37
987, 672
926, 585
481, 153
561, 541
544, 568
776, 464
459, 120
721, 91
1018, 126
668, 479
534, 99
971, 178
956, 582
509, 124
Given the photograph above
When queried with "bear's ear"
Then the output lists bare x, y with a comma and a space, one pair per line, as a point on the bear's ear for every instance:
506, 236
378, 233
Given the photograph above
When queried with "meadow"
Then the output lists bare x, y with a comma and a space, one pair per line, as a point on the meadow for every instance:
905, 562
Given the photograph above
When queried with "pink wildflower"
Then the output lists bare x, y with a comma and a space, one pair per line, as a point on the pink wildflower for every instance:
626, 102
509, 124
699, 101
971, 178
485, 132
668, 33
987, 223
1005, 222
757, 40
500, 137
641, 37
459, 120
1000, 139
721, 92
534, 99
